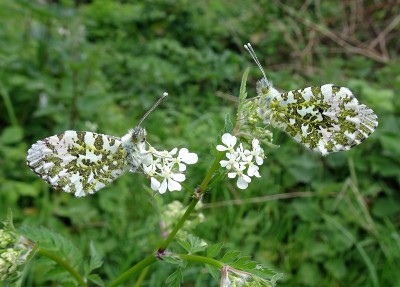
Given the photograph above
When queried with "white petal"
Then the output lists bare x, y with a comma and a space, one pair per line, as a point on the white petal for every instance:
178, 177
181, 167
226, 139
155, 184
190, 158
232, 174
173, 151
163, 187
173, 185
224, 163
242, 184
221, 148
246, 178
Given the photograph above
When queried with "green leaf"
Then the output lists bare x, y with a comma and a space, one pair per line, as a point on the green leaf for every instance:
175, 279
172, 259
95, 258
214, 271
228, 124
11, 135
193, 244
95, 278
213, 250
53, 242
230, 256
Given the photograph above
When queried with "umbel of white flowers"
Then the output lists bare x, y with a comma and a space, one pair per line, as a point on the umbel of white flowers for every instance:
240, 162
165, 168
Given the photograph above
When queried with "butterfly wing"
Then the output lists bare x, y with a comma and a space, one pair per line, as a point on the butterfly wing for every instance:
325, 118
78, 162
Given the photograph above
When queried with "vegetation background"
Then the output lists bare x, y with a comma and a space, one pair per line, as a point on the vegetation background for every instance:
99, 65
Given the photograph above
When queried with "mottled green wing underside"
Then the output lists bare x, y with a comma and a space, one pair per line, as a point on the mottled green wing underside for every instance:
78, 162
324, 118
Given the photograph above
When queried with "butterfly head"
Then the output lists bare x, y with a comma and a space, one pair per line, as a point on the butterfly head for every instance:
264, 86
138, 135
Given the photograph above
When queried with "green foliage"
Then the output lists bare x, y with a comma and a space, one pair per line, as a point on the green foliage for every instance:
99, 65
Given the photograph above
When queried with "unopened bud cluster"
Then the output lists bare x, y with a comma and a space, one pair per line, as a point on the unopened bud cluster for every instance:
13, 252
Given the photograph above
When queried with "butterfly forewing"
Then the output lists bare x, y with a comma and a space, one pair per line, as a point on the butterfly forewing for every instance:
78, 162
324, 118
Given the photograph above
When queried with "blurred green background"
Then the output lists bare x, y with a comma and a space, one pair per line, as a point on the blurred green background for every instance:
99, 65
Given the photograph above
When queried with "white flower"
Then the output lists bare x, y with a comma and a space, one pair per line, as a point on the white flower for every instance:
243, 179
229, 142
252, 170
184, 156
230, 162
171, 181
257, 151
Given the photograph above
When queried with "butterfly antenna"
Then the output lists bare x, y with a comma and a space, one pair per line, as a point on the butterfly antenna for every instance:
152, 108
250, 49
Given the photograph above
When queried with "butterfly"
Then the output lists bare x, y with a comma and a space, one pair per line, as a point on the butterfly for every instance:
325, 119
81, 162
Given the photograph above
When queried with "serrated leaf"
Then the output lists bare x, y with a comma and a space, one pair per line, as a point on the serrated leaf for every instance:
228, 124
213, 250
193, 244
175, 279
185, 245
95, 258
53, 242
230, 256
171, 259
95, 278
214, 271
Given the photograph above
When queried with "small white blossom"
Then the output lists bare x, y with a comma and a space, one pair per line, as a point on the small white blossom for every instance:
230, 162
229, 142
170, 180
184, 156
243, 179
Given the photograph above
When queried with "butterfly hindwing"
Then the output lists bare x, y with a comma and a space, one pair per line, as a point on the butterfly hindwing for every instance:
78, 162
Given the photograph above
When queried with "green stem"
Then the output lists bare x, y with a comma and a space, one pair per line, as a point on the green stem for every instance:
142, 276
152, 258
63, 264
195, 200
201, 259
9, 106
137, 267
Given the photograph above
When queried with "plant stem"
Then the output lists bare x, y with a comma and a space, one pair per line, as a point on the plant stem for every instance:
201, 259
152, 258
9, 106
195, 200
63, 263
137, 267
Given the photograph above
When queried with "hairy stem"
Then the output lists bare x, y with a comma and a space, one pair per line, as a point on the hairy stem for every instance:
63, 263
201, 259
136, 268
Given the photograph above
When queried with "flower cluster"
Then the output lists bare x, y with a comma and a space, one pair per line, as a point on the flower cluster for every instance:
172, 212
241, 163
14, 251
166, 168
